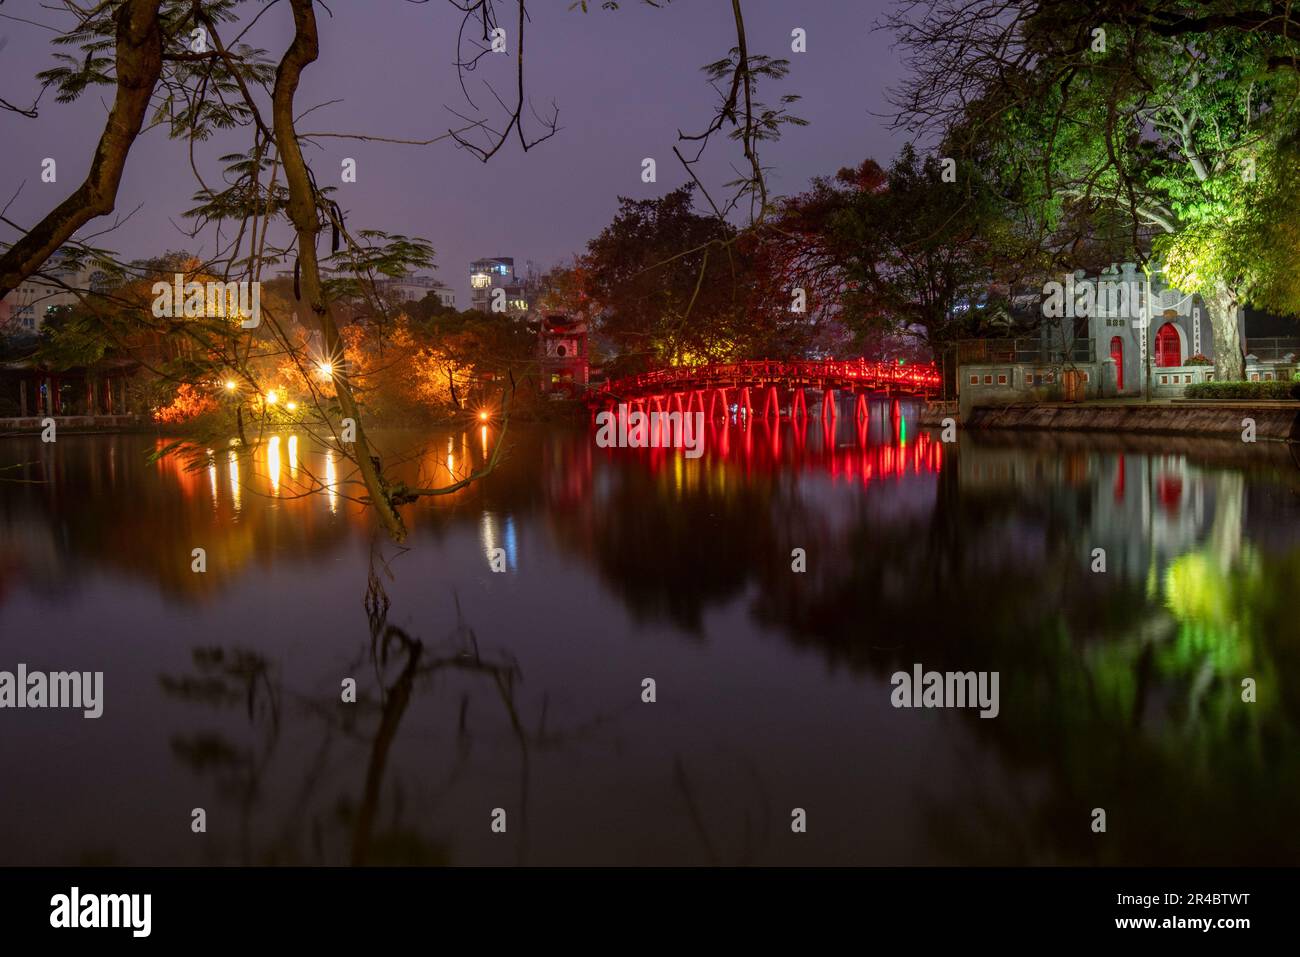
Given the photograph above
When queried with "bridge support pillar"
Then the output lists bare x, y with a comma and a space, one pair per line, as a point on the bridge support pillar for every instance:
719, 396
828, 405
684, 390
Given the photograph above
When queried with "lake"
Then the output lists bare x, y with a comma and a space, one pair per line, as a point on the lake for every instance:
500, 716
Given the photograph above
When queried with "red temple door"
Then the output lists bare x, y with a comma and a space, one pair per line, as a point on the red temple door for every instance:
1117, 353
1168, 347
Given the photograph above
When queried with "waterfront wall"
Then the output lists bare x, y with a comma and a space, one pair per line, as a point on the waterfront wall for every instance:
1273, 421
79, 423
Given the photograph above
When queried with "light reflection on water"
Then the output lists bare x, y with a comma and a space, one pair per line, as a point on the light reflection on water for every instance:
521, 689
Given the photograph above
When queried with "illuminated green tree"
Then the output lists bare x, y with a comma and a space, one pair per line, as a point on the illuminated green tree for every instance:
1175, 118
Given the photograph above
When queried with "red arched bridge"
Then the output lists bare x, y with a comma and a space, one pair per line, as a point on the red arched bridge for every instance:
762, 385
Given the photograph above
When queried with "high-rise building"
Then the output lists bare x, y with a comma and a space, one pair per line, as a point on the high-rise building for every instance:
494, 287
409, 288
26, 306
413, 288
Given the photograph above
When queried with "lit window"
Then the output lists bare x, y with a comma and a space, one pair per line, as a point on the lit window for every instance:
1002, 380
1164, 380
1254, 377
974, 380
1268, 377
988, 380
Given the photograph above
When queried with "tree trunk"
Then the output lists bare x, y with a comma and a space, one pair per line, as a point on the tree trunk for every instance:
306, 221
1225, 322
138, 61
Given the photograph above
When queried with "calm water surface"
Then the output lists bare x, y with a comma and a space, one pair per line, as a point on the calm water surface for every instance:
521, 690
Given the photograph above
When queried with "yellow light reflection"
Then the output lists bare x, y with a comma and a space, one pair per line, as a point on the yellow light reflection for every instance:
234, 480
293, 455
487, 532
273, 463
331, 481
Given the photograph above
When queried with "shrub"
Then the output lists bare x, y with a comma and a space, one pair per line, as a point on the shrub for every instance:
1243, 390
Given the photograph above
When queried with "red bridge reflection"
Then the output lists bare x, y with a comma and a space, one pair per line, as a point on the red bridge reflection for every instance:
766, 387
878, 443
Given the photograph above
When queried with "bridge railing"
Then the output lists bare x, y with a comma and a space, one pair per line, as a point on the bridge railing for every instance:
770, 371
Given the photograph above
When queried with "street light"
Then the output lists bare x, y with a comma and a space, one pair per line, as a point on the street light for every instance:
272, 398
231, 385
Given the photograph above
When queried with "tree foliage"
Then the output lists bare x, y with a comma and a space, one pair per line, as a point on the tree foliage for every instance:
667, 283
1164, 111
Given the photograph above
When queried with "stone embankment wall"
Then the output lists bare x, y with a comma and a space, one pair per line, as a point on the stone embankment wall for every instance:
1273, 421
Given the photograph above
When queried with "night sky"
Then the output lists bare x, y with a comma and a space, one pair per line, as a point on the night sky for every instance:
625, 82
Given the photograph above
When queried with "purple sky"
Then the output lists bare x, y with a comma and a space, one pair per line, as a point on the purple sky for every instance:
624, 82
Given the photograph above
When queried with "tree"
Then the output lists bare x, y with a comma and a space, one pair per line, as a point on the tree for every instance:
798, 263
904, 251
1164, 111
667, 284
171, 66
170, 57
1250, 236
